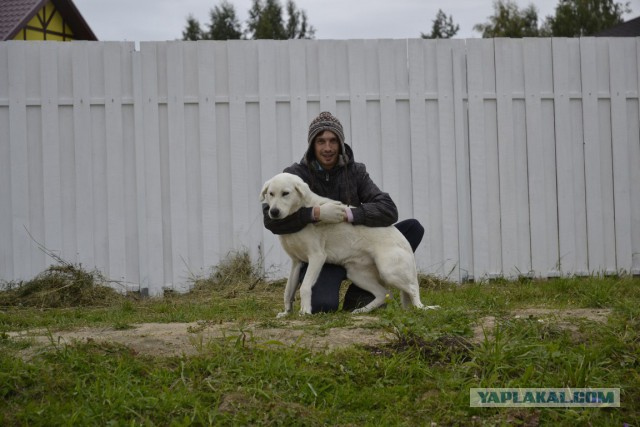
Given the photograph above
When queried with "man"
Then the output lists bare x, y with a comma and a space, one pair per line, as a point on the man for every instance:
329, 168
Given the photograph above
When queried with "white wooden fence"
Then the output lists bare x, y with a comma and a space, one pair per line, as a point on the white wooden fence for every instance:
518, 156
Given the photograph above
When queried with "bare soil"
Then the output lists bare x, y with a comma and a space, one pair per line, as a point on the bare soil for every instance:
176, 339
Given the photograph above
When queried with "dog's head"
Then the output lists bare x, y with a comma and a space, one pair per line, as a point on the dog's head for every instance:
285, 193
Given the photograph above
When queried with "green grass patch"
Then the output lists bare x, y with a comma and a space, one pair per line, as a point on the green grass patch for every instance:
495, 334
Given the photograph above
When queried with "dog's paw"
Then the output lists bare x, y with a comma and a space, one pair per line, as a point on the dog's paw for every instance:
305, 311
431, 307
282, 314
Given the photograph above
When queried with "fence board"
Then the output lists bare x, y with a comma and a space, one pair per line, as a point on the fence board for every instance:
620, 155
19, 160
418, 129
6, 222
83, 154
463, 187
208, 152
541, 162
153, 224
507, 153
447, 162
569, 164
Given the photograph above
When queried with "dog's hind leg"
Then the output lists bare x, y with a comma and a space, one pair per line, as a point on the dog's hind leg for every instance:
410, 299
292, 286
370, 282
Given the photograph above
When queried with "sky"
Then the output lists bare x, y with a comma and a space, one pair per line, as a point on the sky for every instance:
159, 20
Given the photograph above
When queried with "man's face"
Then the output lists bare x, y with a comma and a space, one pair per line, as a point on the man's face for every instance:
326, 148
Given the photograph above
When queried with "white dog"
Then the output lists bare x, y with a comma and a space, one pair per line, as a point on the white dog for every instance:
371, 255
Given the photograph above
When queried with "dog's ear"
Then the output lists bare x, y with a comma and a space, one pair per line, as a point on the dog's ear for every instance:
302, 188
263, 193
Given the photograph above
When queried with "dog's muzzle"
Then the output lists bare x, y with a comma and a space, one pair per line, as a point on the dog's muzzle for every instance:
274, 213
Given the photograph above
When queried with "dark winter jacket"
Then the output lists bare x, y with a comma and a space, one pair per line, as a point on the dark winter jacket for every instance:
349, 184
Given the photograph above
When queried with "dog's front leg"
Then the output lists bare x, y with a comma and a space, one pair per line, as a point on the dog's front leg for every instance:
313, 271
291, 287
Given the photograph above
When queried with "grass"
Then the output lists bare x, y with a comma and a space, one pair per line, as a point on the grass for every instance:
421, 375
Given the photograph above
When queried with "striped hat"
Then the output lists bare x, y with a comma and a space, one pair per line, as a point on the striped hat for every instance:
326, 121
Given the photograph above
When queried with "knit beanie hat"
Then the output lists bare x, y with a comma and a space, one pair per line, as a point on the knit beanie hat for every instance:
326, 121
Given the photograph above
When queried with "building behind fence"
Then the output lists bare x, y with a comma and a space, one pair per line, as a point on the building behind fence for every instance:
520, 157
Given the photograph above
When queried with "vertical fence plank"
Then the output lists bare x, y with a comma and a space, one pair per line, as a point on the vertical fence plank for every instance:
447, 161
357, 96
177, 161
512, 161
390, 159
485, 203
272, 147
418, 132
238, 54
50, 140
593, 173
142, 234
6, 219
634, 142
463, 187
114, 160
299, 99
621, 154
541, 162
19, 160
327, 75
83, 153
67, 163
154, 231
208, 150
569, 161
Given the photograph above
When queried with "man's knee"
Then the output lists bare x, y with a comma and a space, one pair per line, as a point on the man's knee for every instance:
412, 230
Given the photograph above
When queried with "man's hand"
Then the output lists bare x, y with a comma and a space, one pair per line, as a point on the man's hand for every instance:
332, 213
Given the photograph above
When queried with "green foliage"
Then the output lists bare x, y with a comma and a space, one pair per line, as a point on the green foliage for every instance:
443, 27
192, 31
224, 24
510, 21
266, 20
575, 18
298, 26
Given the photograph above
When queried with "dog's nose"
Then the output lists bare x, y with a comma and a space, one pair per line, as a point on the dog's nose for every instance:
275, 213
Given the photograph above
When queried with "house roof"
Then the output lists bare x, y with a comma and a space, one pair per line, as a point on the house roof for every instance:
15, 14
630, 28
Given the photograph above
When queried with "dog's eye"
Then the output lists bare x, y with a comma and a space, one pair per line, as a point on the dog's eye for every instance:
285, 193
271, 193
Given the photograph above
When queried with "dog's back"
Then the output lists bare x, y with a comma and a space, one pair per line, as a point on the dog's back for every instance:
356, 246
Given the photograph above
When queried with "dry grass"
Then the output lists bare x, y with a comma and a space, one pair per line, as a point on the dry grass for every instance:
61, 286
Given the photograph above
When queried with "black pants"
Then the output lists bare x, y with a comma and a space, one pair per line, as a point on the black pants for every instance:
325, 295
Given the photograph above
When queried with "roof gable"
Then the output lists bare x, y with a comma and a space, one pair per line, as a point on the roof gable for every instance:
630, 28
15, 14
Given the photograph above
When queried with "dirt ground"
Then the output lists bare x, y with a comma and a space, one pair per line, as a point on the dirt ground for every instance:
176, 339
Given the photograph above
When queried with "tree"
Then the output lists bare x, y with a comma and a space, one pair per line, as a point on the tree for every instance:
192, 31
443, 27
265, 21
510, 21
224, 23
575, 18
297, 25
